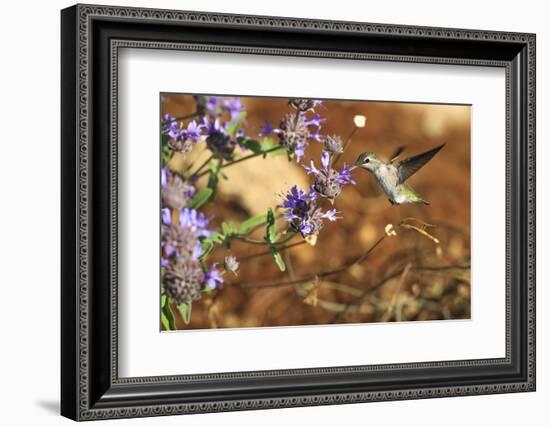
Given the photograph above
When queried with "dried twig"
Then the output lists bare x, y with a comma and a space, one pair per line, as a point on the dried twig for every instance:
389, 277
389, 311
346, 145
307, 278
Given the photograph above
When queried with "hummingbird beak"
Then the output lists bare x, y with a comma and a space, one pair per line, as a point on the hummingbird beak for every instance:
353, 166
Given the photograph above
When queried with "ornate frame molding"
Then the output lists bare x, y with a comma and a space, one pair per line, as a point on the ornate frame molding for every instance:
78, 23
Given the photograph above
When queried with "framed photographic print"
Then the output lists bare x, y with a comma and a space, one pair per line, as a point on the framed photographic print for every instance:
263, 212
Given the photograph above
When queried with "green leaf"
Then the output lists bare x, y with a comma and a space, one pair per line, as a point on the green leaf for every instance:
200, 198
213, 179
165, 151
213, 183
217, 237
167, 317
251, 144
207, 245
248, 224
225, 229
185, 311
165, 322
267, 144
278, 258
271, 233
228, 228
278, 152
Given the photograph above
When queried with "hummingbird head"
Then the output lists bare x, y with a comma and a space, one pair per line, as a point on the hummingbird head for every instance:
368, 161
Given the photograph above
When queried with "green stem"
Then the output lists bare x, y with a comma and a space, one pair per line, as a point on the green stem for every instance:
248, 157
202, 166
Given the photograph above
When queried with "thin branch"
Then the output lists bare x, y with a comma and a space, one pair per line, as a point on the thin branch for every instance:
203, 165
247, 157
289, 264
264, 253
264, 242
389, 277
348, 141
393, 301
322, 274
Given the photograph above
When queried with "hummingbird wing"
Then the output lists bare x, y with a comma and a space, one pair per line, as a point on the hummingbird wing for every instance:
409, 166
397, 153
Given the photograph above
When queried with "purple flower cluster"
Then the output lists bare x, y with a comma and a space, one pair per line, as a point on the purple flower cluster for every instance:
297, 128
175, 192
305, 105
332, 144
303, 213
182, 238
183, 277
221, 137
215, 106
220, 140
327, 181
180, 138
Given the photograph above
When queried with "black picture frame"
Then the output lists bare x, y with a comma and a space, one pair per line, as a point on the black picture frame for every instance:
90, 386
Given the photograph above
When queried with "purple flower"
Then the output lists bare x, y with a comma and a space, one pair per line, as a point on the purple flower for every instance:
327, 181
316, 121
331, 215
217, 105
267, 129
213, 105
296, 198
212, 124
234, 106
181, 139
195, 220
183, 278
171, 127
302, 212
213, 278
294, 132
300, 150
194, 132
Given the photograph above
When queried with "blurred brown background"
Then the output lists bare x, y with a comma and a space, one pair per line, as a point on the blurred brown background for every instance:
407, 277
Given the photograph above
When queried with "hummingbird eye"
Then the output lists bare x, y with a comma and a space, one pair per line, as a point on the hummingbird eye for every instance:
366, 160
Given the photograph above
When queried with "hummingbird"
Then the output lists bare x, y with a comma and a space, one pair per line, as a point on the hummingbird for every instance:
391, 176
